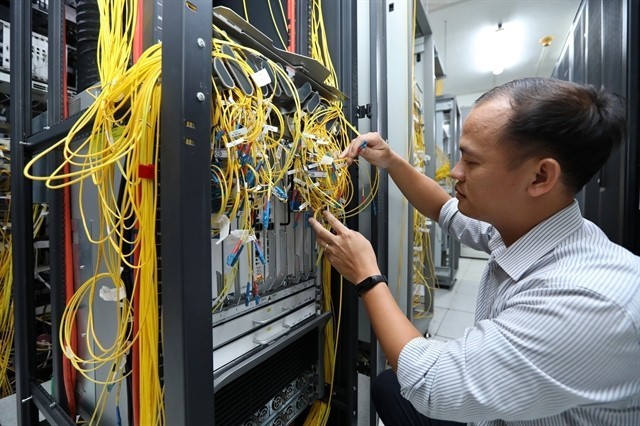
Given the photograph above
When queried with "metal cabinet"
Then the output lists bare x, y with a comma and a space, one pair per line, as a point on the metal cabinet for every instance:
446, 249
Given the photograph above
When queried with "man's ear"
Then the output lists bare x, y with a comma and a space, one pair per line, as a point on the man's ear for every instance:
547, 177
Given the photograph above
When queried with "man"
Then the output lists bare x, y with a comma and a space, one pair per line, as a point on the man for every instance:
557, 333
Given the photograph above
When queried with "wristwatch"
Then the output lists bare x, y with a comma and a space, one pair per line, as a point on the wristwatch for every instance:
369, 283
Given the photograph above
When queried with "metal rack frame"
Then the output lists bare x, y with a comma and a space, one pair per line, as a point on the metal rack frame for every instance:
185, 214
184, 219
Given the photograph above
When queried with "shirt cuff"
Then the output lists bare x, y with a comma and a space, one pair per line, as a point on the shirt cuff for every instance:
417, 370
446, 213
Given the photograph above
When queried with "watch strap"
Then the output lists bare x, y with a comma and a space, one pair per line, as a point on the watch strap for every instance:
369, 282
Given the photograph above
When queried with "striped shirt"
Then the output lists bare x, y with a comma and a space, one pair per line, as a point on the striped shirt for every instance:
557, 334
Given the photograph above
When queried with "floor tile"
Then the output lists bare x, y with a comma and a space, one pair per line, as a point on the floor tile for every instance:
442, 297
471, 253
454, 323
476, 268
463, 264
438, 315
469, 287
463, 302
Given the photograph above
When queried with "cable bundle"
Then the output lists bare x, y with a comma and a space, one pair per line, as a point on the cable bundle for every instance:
6, 304
424, 272
269, 146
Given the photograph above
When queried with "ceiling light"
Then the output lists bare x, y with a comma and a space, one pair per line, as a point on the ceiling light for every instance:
499, 47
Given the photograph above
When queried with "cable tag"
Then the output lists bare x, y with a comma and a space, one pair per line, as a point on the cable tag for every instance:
112, 294
309, 135
234, 143
261, 78
270, 128
292, 171
322, 142
290, 71
317, 173
312, 166
326, 160
299, 182
225, 224
279, 152
302, 206
238, 132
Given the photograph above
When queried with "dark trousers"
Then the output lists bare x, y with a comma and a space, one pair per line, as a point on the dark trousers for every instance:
394, 409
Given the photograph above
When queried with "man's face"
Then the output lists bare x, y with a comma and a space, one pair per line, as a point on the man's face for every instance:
489, 189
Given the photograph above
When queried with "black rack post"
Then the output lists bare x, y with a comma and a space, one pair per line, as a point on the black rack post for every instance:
186, 212
380, 221
22, 221
342, 39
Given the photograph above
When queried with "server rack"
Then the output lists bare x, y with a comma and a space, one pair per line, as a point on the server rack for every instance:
601, 49
446, 250
185, 219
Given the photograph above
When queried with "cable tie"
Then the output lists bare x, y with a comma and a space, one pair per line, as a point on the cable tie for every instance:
147, 171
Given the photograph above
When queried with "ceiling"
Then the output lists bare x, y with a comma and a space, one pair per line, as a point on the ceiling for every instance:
461, 27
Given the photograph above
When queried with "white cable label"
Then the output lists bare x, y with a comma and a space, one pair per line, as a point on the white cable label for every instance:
112, 294
326, 160
261, 78
238, 132
224, 223
234, 143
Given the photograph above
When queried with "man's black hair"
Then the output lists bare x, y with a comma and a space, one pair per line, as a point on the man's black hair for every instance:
576, 125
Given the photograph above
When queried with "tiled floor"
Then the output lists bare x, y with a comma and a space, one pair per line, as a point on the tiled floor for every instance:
454, 309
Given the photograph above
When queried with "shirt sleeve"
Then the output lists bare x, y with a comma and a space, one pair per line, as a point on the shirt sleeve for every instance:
548, 351
470, 232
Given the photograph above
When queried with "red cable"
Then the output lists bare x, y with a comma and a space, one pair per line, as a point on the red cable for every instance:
69, 373
291, 14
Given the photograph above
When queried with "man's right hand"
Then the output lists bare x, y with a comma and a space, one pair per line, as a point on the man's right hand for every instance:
376, 152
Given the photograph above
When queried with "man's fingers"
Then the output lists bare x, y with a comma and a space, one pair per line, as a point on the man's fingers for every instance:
321, 233
334, 222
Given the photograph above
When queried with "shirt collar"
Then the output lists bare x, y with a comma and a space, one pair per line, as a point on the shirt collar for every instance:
516, 259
